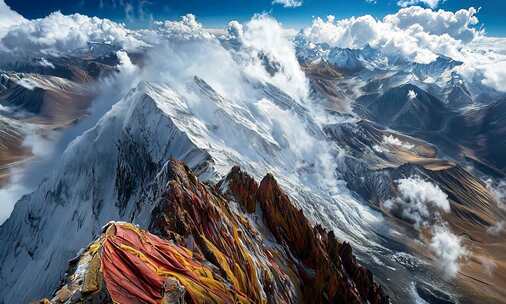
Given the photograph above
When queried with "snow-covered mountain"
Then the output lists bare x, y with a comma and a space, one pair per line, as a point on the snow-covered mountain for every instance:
368, 143
108, 173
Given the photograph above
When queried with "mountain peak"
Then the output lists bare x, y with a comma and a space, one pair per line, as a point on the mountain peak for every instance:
207, 250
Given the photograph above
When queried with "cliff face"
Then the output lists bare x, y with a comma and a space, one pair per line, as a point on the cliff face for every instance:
237, 242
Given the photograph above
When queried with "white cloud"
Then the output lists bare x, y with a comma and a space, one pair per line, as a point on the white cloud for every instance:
448, 249
187, 28
58, 34
429, 3
64, 35
494, 75
421, 202
288, 3
394, 141
484, 63
413, 33
418, 200
421, 35
8, 18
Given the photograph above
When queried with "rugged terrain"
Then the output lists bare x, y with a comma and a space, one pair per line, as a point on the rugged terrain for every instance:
209, 166
238, 242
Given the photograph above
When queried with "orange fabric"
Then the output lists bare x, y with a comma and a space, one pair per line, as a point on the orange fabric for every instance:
135, 265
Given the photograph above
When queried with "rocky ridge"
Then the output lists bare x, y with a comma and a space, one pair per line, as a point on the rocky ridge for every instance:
236, 242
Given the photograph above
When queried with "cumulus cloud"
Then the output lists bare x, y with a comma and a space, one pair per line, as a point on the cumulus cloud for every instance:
58, 34
394, 141
413, 33
187, 28
494, 75
458, 25
418, 200
484, 63
69, 35
288, 3
429, 3
448, 250
8, 18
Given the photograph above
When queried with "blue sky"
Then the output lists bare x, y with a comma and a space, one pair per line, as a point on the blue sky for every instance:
216, 13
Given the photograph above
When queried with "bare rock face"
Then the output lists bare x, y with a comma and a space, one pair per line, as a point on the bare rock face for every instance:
335, 275
242, 186
237, 242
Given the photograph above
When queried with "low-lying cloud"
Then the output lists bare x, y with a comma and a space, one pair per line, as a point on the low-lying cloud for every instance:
413, 33
421, 203
497, 188
418, 201
448, 249
394, 141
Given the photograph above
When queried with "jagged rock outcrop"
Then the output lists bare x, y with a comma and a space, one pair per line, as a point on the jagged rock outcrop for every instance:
242, 187
334, 274
209, 247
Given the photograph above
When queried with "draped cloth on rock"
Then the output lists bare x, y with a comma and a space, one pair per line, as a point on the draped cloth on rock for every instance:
137, 264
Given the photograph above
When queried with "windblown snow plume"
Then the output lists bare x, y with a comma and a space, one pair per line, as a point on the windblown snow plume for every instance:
264, 46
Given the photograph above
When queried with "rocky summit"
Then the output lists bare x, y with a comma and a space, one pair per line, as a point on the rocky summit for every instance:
237, 242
